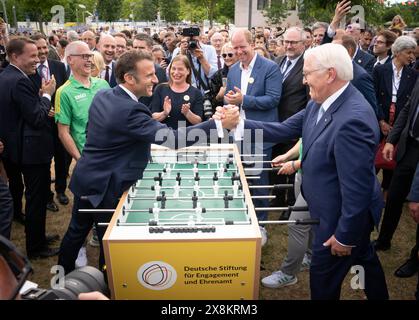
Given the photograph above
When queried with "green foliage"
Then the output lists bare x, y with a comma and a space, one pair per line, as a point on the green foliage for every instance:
319, 10
276, 12
109, 10
169, 10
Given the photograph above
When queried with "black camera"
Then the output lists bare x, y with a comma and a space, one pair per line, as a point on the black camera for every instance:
85, 279
191, 32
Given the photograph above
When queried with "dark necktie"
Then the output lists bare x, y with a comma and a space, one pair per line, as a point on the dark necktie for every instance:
415, 129
284, 74
107, 74
219, 62
41, 71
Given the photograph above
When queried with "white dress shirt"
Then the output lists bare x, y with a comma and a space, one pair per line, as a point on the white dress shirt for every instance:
132, 96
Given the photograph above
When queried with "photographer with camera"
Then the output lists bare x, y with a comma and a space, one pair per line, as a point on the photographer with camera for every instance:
203, 58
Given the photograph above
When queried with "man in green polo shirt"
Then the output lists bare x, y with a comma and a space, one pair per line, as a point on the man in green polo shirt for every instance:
73, 99
72, 103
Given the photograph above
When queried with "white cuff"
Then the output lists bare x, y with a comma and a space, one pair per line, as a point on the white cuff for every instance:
219, 126
344, 245
239, 131
330, 32
46, 95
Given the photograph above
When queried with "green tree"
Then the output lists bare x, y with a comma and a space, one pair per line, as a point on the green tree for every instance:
319, 10
147, 10
169, 10
224, 11
109, 10
276, 11
40, 10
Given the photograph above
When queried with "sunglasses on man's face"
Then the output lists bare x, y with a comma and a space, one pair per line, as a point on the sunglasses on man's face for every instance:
225, 55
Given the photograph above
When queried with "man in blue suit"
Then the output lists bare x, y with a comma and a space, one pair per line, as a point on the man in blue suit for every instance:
255, 84
361, 79
119, 134
340, 137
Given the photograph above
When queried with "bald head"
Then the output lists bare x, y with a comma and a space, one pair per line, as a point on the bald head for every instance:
90, 38
107, 47
242, 33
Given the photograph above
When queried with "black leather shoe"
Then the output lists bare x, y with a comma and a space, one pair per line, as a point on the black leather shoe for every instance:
381, 246
51, 238
407, 269
43, 253
62, 198
52, 206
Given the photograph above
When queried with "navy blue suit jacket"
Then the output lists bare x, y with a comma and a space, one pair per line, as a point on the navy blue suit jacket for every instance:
414, 190
383, 80
365, 60
263, 95
364, 83
339, 180
25, 128
117, 150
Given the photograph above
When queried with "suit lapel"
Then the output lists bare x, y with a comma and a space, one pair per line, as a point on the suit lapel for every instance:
253, 75
324, 122
388, 78
404, 81
296, 69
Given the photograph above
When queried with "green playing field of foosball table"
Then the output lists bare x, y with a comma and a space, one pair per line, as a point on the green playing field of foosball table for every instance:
205, 195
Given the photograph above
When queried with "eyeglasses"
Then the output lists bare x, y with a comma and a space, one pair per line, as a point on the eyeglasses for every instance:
293, 43
305, 74
86, 56
225, 55
87, 39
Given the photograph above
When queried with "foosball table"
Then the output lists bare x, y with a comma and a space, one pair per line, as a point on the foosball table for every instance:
186, 230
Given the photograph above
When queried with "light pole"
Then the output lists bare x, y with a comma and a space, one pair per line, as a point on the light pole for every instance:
5, 11
14, 15
82, 6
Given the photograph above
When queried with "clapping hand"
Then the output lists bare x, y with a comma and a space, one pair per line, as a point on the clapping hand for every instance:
234, 97
48, 87
167, 105
186, 108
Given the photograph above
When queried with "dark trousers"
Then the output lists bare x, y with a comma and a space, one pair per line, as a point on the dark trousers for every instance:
6, 210
398, 191
283, 197
327, 272
78, 229
16, 187
62, 161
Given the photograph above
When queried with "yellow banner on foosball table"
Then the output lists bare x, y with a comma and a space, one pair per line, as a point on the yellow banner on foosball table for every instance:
199, 270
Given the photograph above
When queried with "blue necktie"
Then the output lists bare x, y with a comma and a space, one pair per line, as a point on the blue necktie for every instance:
320, 115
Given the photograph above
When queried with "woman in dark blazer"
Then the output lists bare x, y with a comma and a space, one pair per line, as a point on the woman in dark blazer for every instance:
217, 83
394, 83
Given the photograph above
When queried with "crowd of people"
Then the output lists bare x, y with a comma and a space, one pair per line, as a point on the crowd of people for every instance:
61, 98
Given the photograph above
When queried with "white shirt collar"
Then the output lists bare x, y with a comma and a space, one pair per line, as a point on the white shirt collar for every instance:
356, 51
251, 64
382, 61
395, 70
329, 101
132, 96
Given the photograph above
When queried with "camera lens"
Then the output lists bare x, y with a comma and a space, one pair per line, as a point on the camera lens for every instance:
192, 45
86, 279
